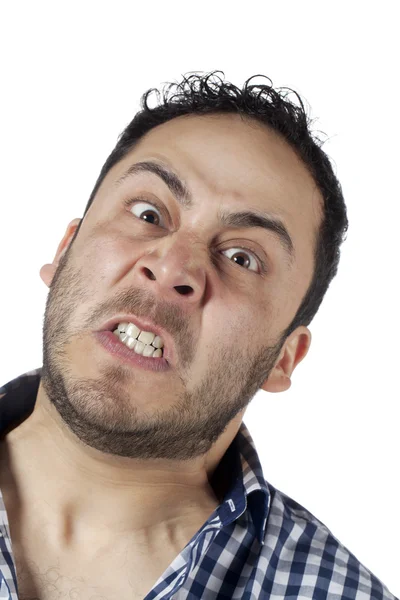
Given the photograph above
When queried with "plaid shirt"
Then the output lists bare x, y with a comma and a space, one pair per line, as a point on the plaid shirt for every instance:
257, 544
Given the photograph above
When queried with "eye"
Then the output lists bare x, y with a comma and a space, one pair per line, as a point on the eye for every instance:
146, 211
245, 258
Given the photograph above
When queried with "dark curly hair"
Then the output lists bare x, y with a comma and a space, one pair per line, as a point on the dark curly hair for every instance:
206, 94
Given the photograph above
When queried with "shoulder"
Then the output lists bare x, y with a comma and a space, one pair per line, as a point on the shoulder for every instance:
308, 558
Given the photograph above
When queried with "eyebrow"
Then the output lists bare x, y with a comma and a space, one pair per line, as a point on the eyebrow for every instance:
244, 219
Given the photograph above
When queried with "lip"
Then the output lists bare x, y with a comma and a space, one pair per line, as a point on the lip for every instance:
143, 325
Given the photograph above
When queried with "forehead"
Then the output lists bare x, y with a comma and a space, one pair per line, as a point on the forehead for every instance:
237, 163
230, 154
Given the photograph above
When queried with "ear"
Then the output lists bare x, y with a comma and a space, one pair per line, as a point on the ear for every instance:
48, 270
293, 351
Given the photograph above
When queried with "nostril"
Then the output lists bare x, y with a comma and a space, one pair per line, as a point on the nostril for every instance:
149, 274
185, 290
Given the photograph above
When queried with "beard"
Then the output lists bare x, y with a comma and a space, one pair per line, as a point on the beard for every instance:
101, 411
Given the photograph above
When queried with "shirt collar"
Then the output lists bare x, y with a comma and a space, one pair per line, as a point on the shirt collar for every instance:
247, 488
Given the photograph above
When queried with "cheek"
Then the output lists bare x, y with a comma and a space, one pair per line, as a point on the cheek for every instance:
248, 322
232, 322
288, 301
106, 256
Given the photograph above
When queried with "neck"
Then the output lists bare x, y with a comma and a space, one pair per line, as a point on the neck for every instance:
99, 495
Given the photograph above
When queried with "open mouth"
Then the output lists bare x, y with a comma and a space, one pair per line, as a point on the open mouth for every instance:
144, 343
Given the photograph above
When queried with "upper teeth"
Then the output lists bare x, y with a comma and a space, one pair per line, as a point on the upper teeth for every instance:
142, 342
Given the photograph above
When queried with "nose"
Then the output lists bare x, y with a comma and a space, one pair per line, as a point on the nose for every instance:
174, 270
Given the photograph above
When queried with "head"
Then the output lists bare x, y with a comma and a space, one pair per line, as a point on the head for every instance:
235, 294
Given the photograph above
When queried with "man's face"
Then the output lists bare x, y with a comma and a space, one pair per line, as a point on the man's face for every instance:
223, 294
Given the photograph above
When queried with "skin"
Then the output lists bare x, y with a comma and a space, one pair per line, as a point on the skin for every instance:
138, 449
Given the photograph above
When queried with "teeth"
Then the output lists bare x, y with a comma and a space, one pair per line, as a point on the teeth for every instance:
142, 342
157, 342
131, 343
147, 350
146, 337
133, 331
139, 347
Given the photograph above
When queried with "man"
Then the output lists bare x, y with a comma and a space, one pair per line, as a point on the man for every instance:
207, 245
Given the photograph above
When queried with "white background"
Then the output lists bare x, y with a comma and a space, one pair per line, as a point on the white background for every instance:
71, 78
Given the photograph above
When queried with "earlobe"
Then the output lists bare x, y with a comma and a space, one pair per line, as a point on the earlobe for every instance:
47, 273
277, 382
293, 351
48, 270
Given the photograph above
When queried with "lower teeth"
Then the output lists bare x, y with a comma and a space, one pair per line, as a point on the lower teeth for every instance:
138, 347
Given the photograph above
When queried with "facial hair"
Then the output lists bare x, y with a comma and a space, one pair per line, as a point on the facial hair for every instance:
101, 412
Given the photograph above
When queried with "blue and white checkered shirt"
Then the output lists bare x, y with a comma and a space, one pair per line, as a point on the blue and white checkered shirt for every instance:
257, 544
